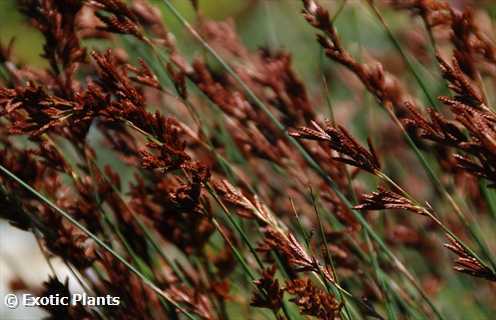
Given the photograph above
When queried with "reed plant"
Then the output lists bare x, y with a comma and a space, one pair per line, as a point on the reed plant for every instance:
167, 163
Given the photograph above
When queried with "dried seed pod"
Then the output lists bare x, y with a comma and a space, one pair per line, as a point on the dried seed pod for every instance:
467, 263
269, 294
312, 301
383, 199
342, 142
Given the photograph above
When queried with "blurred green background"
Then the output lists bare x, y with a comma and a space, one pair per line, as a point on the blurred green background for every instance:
275, 23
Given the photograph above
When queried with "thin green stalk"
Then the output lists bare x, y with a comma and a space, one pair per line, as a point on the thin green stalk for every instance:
106, 217
115, 229
325, 86
328, 255
404, 297
148, 234
381, 280
441, 188
86, 289
243, 262
37, 236
271, 31
339, 10
490, 196
314, 165
373, 256
238, 228
402, 53
475, 233
97, 240
429, 214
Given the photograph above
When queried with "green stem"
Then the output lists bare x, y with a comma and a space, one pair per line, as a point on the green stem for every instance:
97, 240
402, 53
442, 189
312, 163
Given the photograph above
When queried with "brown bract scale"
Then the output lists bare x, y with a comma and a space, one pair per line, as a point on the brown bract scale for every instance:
114, 78
467, 263
269, 294
67, 241
460, 84
122, 141
473, 131
290, 94
51, 156
292, 251
144, 75
471, 44
114, 24
61, 238
56, 20
383, 199
268, 73
313, 301
170, 150
439, 129
383, 85
177, 207
150, 18
24, 165
223, 36
118, 18
231, 102
341, 141
434, 13
317, 16
253, 142
234, 197
250, 207
32, 110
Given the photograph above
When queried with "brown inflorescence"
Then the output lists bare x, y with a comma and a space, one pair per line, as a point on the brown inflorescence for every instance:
206, 184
